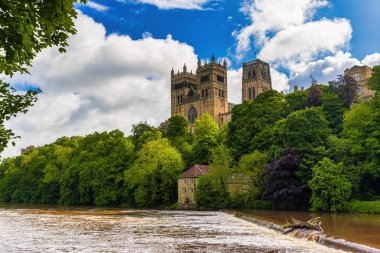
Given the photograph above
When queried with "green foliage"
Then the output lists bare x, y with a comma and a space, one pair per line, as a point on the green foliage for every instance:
296, 101
253, 166
152, 180
211, 191
331, 190
314, 96
260, 204
251, 118
374, 81
138, 131
372, 207
178, 126
12, 103
205, 138
333, 110
28, 26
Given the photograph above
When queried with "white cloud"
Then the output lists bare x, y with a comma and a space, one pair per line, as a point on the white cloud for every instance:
96, 6
101, 83
372, 60
279, 80
303, 43
176, 4
273, 16
234, 77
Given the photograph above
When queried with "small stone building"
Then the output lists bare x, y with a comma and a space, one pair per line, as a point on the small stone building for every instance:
361, 74
187, 183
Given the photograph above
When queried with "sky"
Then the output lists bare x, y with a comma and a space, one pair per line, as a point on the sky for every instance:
116, 71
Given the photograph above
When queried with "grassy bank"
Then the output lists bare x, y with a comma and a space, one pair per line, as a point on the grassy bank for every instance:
366, 206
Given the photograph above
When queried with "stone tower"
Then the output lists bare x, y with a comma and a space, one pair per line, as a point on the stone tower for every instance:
206, 91
256, 79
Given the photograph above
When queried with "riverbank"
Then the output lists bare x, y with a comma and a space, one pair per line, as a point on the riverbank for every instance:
361, 229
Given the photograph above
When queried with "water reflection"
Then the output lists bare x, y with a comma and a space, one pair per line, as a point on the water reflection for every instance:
359, 228
97, 230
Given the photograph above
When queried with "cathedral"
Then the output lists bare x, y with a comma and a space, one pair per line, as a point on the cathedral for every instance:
207, 90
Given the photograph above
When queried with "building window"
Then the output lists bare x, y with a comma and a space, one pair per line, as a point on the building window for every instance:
249, 93
205, 78
254, 74
192, 115
184, 190
191, 190
357, 77
220, 78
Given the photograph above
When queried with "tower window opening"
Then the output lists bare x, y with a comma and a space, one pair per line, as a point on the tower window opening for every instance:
205, 79
254, 75
220, 78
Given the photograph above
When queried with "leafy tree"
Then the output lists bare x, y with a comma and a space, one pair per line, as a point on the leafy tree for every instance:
152, 180
138, 130
211, 190
361, 129
333, 110
253, 166
374, 81
331, 190
95, 175
251, 118
314, 96
296, 101
28, 26
205, 138
282, 186
178, 126
12, 103
178, 132
346, 89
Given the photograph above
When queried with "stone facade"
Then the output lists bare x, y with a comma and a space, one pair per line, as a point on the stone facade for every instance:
187, 184
361, 74
195, 94
207, 91
256, 79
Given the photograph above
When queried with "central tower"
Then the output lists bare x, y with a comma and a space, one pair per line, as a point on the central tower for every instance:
256, 79
206, 91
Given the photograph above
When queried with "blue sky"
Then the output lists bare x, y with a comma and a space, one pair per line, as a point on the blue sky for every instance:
210, 30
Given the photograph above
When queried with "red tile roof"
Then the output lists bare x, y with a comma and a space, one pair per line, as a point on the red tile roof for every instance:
195, 171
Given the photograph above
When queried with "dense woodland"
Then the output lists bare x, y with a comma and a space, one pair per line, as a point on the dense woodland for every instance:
317, 149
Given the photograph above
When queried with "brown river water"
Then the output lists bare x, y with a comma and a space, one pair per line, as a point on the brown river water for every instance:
358, 228
54, 229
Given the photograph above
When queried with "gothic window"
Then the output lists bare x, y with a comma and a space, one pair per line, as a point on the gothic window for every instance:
249, 93
249, 75
206, 92
254, 74
253, 93
192, 115
220, 78
205, 79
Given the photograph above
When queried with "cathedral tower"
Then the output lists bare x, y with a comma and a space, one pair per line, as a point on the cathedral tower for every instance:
206, 91
256, 79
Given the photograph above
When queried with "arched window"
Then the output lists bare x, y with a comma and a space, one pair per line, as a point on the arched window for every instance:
192, 115
254, 73
253, 93
249, 93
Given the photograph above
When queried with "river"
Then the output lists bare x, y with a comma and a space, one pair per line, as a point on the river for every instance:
358, 228
53, 229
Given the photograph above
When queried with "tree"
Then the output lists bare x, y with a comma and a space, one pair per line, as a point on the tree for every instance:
296, 101
374, 81
314, 96
205, 138
152, 180
211, 191
253, 166
333, 110
138, 130
28, 26
346, 89
251, 118
178, 126
331, 190
12, 103
282, 186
